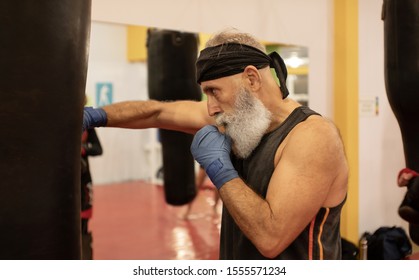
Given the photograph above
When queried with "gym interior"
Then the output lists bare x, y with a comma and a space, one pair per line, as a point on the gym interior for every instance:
336, 57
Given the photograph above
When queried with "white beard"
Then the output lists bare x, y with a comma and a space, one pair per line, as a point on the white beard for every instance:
247, 124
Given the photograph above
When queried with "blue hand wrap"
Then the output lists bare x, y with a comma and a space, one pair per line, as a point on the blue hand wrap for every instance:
94, 118
211, 149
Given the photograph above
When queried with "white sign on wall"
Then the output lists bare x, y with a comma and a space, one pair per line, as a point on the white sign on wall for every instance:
104, 94
369, 106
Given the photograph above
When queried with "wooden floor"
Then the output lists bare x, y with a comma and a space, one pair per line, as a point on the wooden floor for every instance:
132, 221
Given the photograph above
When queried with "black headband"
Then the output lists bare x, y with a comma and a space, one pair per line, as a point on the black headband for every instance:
232, 58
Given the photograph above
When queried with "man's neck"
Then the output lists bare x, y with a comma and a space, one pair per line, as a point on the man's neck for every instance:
281, 112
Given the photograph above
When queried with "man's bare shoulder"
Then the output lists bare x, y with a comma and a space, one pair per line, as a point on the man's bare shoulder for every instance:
318, 140
317, 129
314, 151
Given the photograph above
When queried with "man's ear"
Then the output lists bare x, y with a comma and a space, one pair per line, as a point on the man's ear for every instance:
252, 76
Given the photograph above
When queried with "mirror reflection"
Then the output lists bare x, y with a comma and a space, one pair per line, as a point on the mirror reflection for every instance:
131, 219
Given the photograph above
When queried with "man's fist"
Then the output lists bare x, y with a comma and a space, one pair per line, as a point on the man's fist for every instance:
94, 118
211, 150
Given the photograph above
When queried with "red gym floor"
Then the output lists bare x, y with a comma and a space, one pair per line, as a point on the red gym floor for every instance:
132, 221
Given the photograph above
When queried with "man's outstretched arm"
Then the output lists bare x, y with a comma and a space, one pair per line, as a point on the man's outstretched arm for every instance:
186, 116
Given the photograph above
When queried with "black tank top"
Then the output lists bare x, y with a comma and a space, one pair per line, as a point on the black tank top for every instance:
321, 237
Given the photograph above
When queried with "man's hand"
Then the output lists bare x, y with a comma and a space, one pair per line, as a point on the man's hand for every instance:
211, 150
94, 118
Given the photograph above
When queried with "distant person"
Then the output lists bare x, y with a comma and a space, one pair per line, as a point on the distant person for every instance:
202, 182
90, 146
410, 205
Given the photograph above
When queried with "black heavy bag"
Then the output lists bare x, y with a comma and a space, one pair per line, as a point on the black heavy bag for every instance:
43, 65
171, 76
401, 65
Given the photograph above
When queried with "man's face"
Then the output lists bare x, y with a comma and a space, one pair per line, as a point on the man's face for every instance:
246, 123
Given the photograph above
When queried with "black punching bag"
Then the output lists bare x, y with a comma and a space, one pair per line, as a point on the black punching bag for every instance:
171, 76
401, 64
43, 65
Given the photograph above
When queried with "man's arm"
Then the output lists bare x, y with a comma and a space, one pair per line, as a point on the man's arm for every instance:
301, 184
186, 116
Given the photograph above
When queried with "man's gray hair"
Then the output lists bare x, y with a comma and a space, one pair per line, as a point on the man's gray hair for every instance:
232, 35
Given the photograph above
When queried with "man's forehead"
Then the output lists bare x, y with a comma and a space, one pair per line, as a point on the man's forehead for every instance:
211, 84
220, 81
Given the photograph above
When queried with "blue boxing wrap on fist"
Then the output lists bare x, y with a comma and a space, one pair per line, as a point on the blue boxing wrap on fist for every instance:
94, 118
211, 149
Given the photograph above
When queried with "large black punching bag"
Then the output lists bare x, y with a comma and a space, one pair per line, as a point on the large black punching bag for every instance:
43, 65
171, 61
401, 64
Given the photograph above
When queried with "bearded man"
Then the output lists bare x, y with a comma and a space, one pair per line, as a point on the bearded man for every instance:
279, 167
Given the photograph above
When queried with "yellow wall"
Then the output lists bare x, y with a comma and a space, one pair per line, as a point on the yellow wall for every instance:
346, 103
136, 43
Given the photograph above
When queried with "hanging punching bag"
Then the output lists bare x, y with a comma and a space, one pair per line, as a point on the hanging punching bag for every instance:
401, 64
43, 65
171, 76
401, 59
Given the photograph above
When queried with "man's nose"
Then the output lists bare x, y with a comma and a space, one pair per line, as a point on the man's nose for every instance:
213, 107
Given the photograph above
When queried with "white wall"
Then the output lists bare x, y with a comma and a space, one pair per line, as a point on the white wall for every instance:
380, 145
